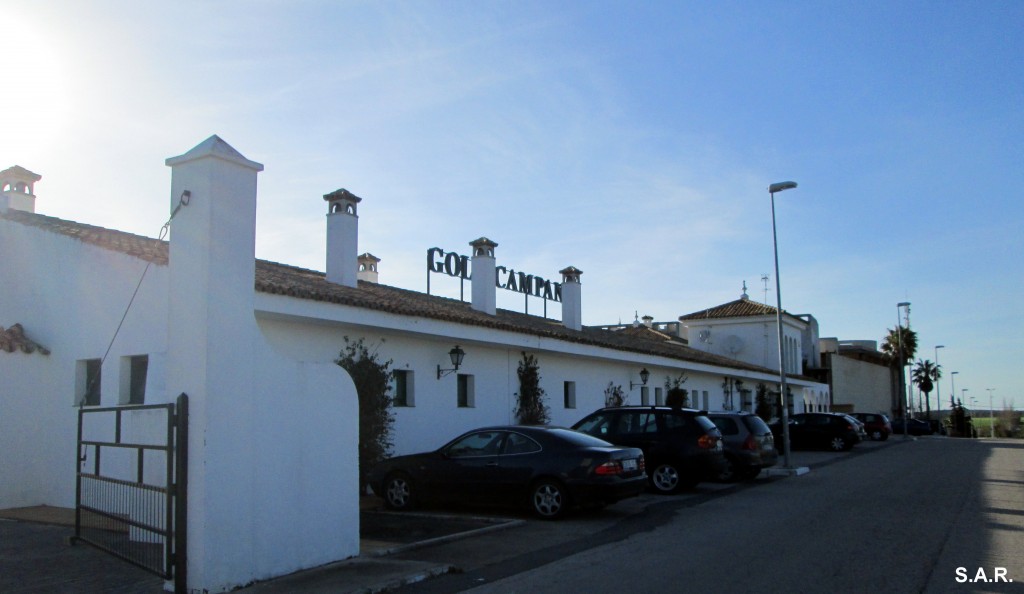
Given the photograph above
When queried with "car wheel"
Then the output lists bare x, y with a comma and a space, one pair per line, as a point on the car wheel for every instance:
548, 499
398, 492
731, 472
666, 479
877, 435
837, 444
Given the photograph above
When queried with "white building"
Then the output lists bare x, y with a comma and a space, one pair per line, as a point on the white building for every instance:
860, 377
273, 483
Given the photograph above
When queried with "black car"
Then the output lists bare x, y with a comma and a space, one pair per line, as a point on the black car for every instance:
550, 468
749, 444
832, 431
914, 427
682, 446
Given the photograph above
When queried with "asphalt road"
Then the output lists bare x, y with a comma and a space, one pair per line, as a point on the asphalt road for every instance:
924, 516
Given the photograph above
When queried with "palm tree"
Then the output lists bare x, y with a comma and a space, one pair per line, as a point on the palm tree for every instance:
925, 374
900, 344
896, 339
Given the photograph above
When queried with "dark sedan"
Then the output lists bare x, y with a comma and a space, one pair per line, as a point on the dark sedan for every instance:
831, 431
914, 427
547, 468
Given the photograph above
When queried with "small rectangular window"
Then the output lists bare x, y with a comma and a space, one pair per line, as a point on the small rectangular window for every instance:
466, 398
88, 382
645, 395
659, 396
133, 379
569, 394
707, 401
404, 392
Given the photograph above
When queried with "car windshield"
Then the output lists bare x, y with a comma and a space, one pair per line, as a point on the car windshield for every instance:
577, 438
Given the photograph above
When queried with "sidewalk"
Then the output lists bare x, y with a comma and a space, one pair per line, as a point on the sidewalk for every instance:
34, 540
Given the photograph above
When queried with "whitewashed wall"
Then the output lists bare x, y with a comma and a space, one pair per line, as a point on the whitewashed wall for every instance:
69, 296
866, 386
492, 357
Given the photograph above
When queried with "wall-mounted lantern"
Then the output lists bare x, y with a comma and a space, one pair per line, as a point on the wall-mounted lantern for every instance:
644, 375
456, 355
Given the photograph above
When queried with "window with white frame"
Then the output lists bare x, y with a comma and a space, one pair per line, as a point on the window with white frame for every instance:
659, 396
645, 395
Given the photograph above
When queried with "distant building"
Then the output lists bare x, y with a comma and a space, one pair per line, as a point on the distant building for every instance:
859, 376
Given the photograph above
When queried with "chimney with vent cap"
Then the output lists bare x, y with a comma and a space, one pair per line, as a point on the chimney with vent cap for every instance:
368, 267
484, 270
17, 189
342, 237
572, 307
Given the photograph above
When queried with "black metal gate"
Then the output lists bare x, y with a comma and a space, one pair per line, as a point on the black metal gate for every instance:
131, 491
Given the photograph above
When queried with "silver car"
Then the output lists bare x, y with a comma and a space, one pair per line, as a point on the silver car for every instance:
749, 444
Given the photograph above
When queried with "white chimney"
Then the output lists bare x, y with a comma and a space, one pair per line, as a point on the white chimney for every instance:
342, 237
17, 189
648, 321
368, 267
482, 279
572, 307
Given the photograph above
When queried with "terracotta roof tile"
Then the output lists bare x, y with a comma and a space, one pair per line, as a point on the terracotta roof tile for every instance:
282, 279
741, 308
14, 339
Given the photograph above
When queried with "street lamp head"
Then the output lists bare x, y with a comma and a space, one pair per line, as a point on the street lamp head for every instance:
954, 373
903, 304
780, 186
940, 346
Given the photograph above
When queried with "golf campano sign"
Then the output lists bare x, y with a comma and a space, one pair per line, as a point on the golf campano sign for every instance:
457, 266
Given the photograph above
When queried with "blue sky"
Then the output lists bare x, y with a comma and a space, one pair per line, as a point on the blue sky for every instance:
632, 140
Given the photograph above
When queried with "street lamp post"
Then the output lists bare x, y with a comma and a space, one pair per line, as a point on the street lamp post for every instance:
903, 377
991, 413
938, 387
779, 187
952, 393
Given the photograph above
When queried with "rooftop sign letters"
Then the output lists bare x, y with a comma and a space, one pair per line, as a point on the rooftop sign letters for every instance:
458, 266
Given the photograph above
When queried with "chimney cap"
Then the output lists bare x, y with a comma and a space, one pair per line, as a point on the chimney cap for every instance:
368, 256
342, 194
483, 241
20, 173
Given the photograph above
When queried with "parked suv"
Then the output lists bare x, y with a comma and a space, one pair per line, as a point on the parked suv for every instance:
831, 431
681, 446
749, 444
876, 424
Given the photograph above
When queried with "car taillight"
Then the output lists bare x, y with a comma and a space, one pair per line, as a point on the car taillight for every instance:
640, 464
707, 442
609, 468
750, 443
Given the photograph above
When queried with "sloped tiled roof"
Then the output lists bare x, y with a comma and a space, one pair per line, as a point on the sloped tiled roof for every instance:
144, 248
282, 279
741, 308
14, 339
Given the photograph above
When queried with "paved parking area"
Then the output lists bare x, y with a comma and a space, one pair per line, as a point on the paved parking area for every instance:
35, 556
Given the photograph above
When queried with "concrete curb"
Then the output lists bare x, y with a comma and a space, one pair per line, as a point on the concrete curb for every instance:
495, 525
